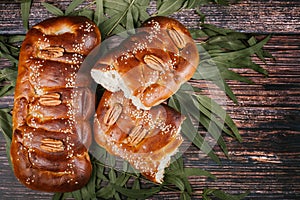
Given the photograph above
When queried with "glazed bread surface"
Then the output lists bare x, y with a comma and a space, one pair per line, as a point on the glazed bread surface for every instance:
53, 105
145, 138
151, 65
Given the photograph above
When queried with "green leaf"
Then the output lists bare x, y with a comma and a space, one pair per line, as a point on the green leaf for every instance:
52, 9
122, 180
135, 15
86, 13
15, 38
185, 196
109, 25
6, 129
197, 172
220, 112
208, 120
9, 57
117, 196
137, 193
129, 21
6, 123
210, 113
89, 191
136, 184
178, 163
171, 179
193, 4
116, 5
248, 63
242, 53
111, 160
223, 195
123, 15
106, 192
112, 176
224, 86
226, 49
197, 33
99, 12
7, 90
4, 48
72, 6
99, 154
143, 15
215, 29
25, 10
119, 18
187, 185
100, 173
62, 196
189, 130
133, 171
231, 75
231, 41
77, 195
8, 74
57, 196
252, 41
85, 193
167, 7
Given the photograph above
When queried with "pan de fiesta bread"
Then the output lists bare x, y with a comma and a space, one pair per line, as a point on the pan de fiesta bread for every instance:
53, 106
145, 138
150, 65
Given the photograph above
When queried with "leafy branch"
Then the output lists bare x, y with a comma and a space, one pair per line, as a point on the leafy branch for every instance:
112, 17
224, 50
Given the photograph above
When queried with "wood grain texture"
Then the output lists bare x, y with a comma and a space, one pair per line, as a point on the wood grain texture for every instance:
261, 16
267, 163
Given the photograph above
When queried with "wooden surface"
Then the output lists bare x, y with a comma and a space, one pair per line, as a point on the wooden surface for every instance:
267, 163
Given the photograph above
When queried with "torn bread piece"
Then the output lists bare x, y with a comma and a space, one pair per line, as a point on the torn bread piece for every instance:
151, 65
145, 138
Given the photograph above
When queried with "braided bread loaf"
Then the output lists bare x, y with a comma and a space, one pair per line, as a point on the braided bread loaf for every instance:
53, 106
142, 72
151, 65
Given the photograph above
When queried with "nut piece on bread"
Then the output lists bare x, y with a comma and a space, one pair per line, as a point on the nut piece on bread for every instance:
151, 65
53, 106
145, 138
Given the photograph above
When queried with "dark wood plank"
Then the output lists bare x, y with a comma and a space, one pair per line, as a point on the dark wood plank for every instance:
261, 16
267, 163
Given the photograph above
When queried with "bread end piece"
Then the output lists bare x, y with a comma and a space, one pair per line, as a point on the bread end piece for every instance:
147, 139
151, 65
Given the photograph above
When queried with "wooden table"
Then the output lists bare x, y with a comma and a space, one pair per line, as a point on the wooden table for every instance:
267, 163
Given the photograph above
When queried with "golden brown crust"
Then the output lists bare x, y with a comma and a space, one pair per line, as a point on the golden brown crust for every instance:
53, 106
151, 64
145, 138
